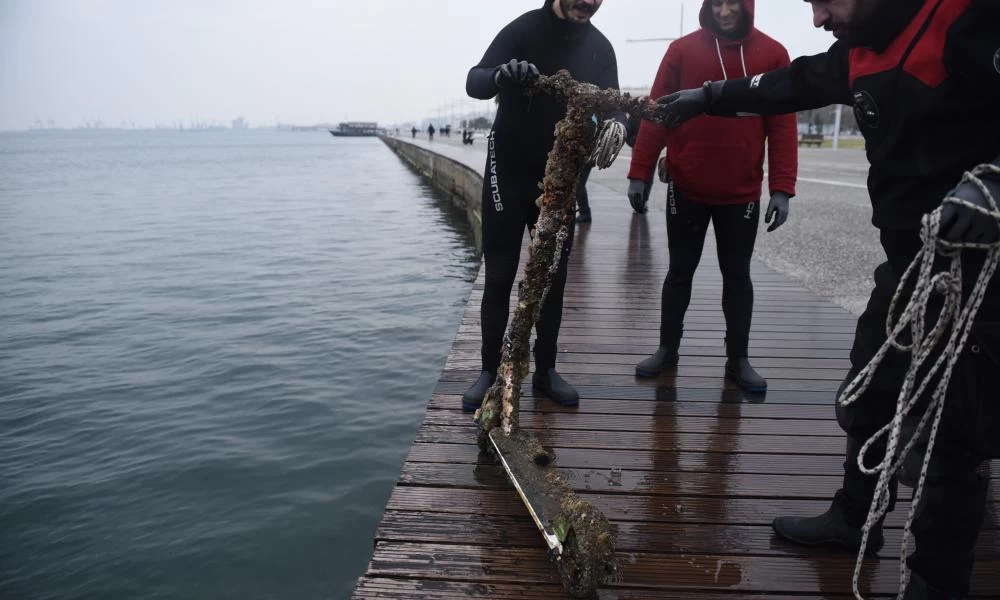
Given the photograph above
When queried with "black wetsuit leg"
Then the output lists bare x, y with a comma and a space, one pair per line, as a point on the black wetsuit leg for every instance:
687, 223
735, 236
509, 207
735, 233
876, 407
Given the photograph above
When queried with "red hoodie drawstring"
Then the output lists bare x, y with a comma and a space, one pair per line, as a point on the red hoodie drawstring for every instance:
743, 61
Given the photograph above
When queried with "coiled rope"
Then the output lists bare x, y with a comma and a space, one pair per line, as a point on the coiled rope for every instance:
954, 317
609, 142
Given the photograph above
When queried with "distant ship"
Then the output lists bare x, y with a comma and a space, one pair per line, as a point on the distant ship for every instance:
355, 129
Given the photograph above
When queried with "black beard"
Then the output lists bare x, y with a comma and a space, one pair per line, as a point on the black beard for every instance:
568, 5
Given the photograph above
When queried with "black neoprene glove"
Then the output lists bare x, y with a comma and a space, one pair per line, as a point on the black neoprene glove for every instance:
515, 74
637, 195
687, 104
962, 224
777, 209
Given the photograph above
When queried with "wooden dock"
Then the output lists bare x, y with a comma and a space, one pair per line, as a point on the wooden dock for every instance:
704, 466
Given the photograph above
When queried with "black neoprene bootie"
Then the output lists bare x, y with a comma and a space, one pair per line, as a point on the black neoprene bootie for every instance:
664, 358
554, 386
918, 589
744, 374
828, 529
472, 399
841, 525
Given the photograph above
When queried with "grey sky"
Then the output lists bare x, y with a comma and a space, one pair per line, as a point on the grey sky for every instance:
302, 61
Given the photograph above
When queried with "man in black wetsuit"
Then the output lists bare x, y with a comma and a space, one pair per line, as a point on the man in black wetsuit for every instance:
924, 79
559, 35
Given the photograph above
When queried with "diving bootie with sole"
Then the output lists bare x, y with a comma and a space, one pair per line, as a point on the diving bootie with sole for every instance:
919, 589
744, 374
828, 529
554, 386
472, 399
663, 359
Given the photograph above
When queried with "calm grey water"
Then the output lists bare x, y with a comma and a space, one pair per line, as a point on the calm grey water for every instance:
215, 349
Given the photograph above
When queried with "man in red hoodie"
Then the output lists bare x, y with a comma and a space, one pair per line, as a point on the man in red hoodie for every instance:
716, 168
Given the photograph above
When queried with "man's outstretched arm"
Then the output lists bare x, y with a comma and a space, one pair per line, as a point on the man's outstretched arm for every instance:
809, 82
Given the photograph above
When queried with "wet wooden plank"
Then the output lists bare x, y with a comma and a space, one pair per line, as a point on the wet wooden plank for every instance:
829, 573
571, 323
678, 378
434, 589
646, 460
470, 370
623, 440
650, 335
617, 314
655, 460
649, 301
643, 509
467, 361
648, 483
470, 346
666, 388
681, 408
665, 422
630, 536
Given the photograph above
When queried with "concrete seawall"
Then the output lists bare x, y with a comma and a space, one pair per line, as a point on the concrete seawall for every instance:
462, 184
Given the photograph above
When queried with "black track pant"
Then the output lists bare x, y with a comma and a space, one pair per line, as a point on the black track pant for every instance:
509, 194
952, 510
735, 235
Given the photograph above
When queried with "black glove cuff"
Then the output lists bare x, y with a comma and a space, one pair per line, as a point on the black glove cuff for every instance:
713, 93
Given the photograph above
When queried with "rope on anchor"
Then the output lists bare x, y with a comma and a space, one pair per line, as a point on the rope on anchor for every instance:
609, 142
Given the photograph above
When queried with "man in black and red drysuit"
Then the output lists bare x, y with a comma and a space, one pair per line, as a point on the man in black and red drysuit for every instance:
923, 77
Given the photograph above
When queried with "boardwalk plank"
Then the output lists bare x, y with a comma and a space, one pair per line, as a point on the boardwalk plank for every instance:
830, 573
659, 538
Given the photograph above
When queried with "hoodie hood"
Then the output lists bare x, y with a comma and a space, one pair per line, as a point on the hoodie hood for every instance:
708, 23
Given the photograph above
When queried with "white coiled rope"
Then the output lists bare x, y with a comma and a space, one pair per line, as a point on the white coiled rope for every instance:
609, 142
954, 317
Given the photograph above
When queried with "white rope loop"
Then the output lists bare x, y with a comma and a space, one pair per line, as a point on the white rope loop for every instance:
610, 139
954, 317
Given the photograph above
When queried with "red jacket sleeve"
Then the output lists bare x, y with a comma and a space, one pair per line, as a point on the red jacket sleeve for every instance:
652, 138
782, 145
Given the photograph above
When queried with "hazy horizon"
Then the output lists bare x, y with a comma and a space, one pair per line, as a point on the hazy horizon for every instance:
302, 62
